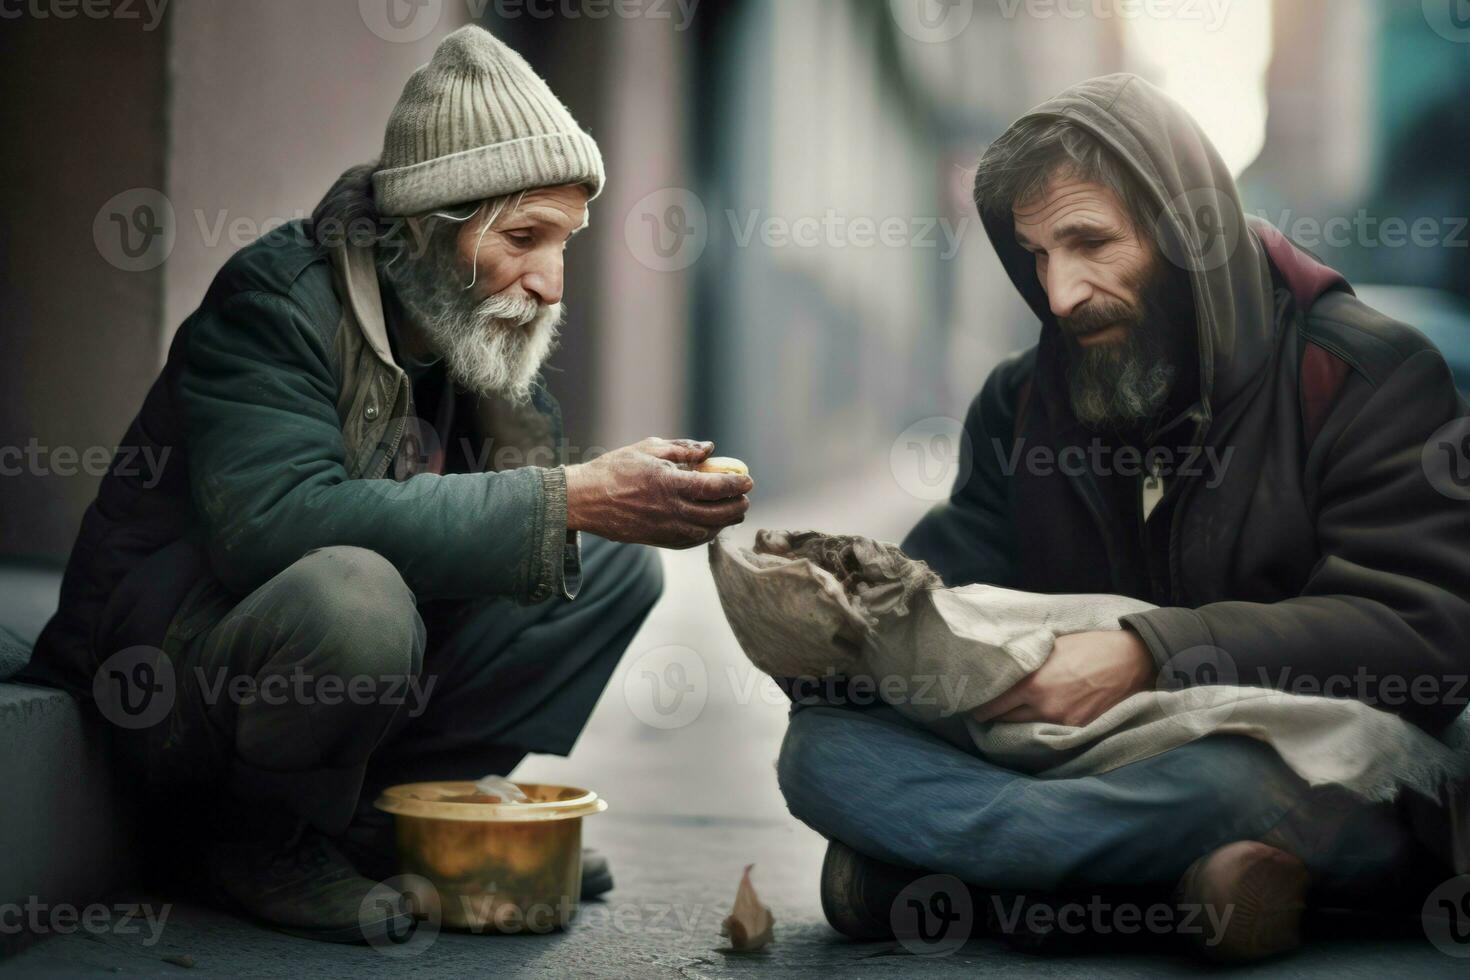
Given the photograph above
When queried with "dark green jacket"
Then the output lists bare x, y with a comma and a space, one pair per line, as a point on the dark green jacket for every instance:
278, 414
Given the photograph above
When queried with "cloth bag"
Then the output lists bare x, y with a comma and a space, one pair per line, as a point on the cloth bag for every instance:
805, 604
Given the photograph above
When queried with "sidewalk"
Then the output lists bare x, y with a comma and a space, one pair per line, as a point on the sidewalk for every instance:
690, 806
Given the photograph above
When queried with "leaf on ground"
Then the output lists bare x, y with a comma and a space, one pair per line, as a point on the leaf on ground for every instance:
749, 924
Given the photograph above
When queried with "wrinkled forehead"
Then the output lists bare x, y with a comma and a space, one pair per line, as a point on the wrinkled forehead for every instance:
563, 207
1065, 206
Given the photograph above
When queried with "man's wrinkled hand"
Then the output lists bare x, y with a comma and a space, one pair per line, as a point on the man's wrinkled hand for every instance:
1086, 674
644, 494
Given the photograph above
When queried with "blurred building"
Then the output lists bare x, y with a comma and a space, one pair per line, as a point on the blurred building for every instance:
786, 258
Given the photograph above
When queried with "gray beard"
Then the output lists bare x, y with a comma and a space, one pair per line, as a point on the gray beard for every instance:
1120, 386
491, 348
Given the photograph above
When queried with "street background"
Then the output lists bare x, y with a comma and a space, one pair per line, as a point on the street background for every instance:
786, 260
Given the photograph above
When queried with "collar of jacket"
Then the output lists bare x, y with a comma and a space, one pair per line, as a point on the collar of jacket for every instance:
374, 399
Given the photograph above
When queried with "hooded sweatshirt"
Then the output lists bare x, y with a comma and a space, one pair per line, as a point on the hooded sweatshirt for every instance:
1293, 541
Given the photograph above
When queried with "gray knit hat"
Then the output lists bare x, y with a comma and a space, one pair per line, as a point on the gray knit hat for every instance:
477, 122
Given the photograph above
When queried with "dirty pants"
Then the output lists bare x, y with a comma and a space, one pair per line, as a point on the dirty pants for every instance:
330, 682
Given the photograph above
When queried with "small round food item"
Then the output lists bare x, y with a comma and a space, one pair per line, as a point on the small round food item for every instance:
723, 464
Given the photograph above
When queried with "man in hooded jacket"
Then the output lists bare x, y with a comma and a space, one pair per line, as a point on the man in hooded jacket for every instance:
1213, 423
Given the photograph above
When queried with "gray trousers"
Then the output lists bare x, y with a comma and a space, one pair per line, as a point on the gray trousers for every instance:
330, 682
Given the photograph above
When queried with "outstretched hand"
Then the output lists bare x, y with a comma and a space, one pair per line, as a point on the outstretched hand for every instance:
643, 494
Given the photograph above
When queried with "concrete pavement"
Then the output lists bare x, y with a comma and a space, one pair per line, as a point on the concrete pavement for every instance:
693, 799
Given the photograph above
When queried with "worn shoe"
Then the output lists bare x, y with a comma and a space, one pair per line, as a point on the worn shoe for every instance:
304, 886
858, 892
1258, 891
597, 877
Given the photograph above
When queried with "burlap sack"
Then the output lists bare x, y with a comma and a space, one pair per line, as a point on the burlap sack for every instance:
812, 605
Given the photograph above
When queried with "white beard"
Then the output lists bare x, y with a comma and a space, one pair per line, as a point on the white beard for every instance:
491, 348
496, 347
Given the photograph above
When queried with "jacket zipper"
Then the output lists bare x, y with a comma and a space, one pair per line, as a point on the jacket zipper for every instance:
381, 469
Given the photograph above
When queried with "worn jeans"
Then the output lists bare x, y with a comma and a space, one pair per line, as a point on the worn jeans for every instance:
330, 682
869, 778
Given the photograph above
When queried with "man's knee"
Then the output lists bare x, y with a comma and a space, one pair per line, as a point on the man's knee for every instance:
812, 752
355, 613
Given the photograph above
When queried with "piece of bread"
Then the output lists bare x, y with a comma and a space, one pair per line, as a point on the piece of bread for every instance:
723, 464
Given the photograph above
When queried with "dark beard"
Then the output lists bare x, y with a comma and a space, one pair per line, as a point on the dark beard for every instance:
1124, 386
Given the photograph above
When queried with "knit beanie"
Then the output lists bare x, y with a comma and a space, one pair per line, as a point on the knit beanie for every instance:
477, 122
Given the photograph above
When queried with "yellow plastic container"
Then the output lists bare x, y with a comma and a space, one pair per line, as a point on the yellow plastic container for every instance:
496, 867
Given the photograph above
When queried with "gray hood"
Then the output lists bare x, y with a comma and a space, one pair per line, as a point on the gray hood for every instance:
1198, 219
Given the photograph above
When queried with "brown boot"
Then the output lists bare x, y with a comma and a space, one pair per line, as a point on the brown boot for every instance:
1248, 900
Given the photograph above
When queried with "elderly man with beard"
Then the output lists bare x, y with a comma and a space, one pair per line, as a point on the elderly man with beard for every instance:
1323, 560
366, 562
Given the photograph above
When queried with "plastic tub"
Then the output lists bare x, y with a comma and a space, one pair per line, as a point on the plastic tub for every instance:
496, 867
